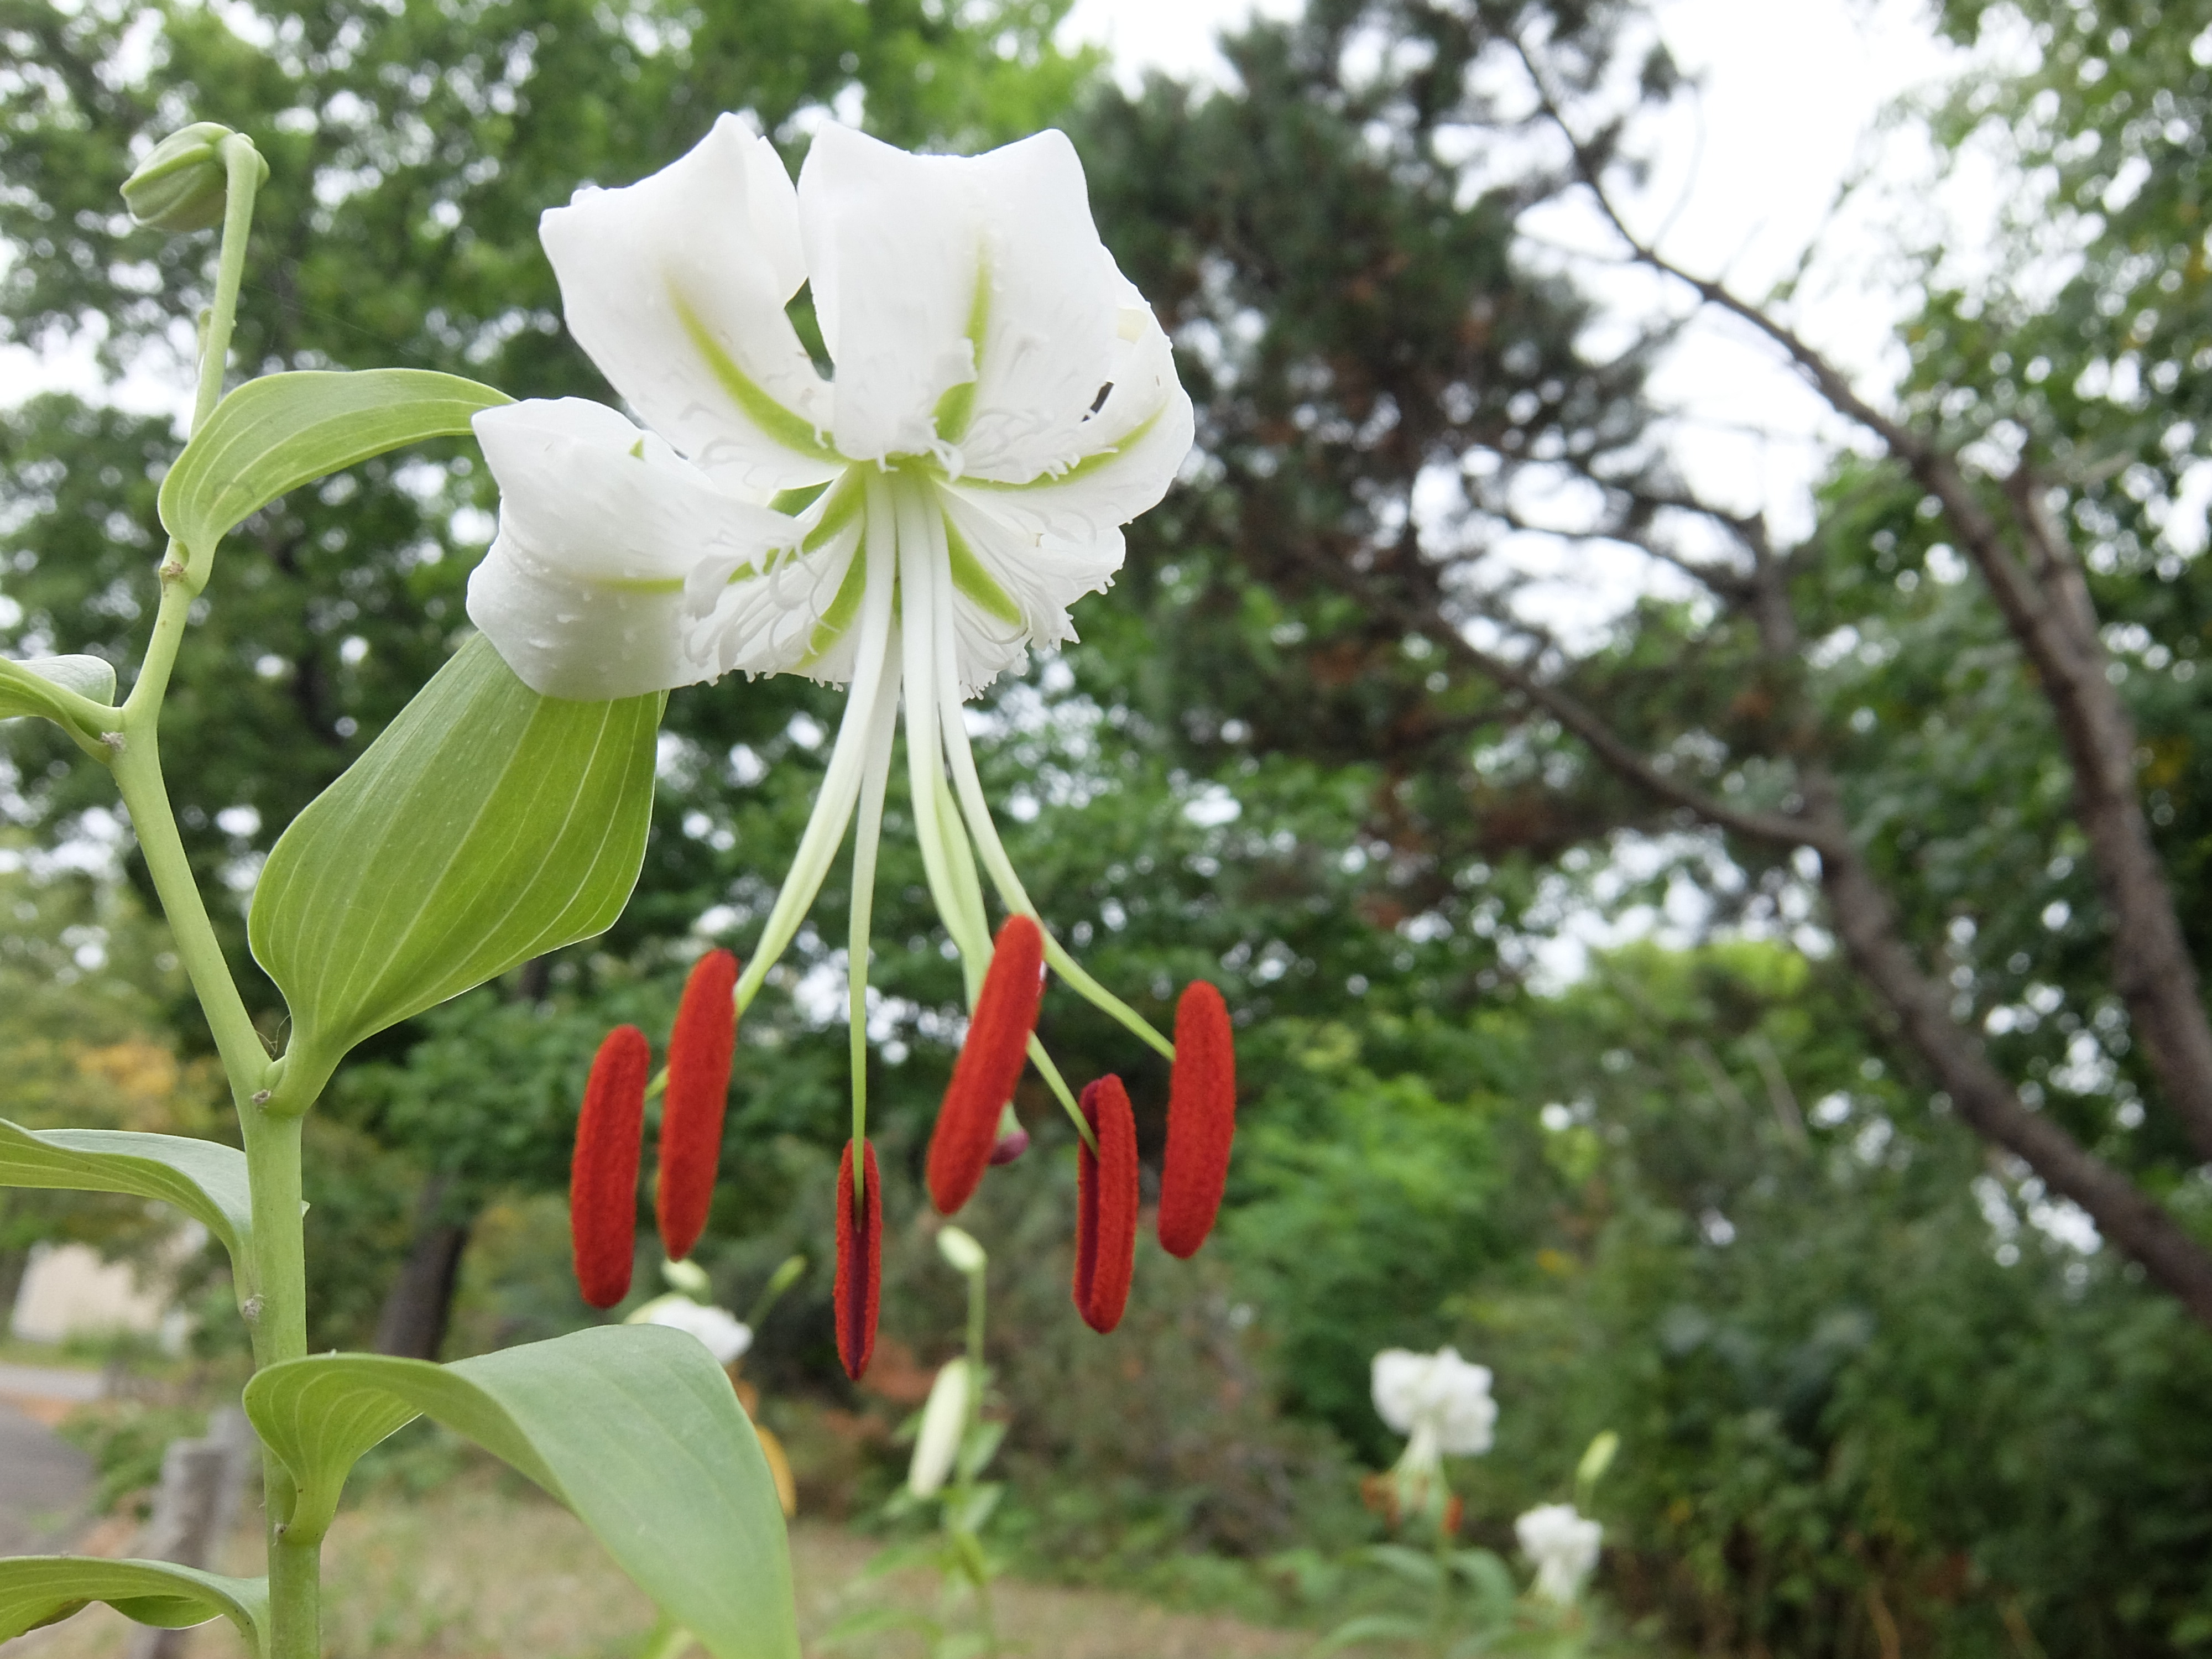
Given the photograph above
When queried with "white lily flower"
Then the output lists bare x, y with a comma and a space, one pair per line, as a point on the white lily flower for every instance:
726, 1336
1563, 1545
1438, 1401
1002, 402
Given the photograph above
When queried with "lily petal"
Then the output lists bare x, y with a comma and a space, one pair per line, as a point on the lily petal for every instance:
892, 245
676, 287
1050, 340
1039, 577
583, 591
1131, 450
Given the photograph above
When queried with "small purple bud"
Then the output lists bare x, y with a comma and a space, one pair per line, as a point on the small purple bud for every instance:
1013, 1139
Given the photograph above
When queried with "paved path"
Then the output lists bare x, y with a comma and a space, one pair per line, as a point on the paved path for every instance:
43, 1483
44, 1480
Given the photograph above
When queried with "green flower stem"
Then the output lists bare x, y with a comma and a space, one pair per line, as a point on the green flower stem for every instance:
242, 168
137, 769
277, 1309
963, 1477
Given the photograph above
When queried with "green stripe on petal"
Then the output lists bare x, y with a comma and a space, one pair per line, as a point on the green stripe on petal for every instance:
1082, 468
839, 616
771, 416
958, 406
969, 577
843, 507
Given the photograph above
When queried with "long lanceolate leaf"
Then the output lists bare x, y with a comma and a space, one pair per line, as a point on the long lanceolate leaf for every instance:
634, 1427
277, 432
38, 1589
203, 1178
487, 825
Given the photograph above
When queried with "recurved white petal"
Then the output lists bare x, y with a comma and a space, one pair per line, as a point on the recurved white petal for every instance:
893, 243
1129, 451
676, 286
1049, 343
583, 590
1012, 587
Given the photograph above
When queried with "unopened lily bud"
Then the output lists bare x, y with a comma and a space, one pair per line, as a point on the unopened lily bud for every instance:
1013, 1139
959, 1248
943, 1421
184, 184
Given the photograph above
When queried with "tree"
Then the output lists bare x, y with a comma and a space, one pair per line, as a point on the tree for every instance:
1395, 392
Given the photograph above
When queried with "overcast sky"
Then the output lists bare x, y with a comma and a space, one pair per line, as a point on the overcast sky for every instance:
1747, 172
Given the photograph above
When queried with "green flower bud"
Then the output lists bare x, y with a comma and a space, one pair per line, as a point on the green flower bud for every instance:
184, 184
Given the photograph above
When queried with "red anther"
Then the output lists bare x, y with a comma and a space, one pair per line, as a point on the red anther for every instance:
1201, 1120
989, 1066
699, 1054
1106, 1206
860, 1263
603, 1179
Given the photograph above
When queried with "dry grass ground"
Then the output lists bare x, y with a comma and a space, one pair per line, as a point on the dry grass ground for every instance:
473, 1571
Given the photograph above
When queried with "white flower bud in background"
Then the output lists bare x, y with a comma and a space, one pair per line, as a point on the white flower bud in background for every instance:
183, 183
960, 1248
688, 1277
1439, 1402
1562, 1546
943, 1419
726, 1336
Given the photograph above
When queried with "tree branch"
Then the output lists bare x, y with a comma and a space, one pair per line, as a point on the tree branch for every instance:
2131, 1218
2047, 607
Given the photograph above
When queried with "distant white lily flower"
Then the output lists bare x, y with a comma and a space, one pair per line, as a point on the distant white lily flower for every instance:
1563, 1545
726, 1336
1003, 401
943, 1420
1438, 1401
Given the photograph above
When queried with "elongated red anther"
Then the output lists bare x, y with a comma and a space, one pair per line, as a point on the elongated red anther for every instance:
1106, 1206
1201, 1120
603, 1179
859, 1262
699, 1053
989, 1066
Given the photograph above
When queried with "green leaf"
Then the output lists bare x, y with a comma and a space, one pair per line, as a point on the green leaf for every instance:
278, 432
1407, 1564
634, 1427
29, 686
1492, 1579
1373, 1627
38, 1589
203, 1178
487, 825
877, 1621
979, 1446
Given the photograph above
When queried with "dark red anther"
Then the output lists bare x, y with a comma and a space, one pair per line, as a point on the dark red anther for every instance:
699, 1054
1201, 1120
1106, 1206
859, 1262
989, 1066
603, 1179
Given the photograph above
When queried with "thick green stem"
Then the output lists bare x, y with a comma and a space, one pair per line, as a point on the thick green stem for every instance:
295, 1599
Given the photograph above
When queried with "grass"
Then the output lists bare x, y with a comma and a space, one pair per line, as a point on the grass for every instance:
475, 1569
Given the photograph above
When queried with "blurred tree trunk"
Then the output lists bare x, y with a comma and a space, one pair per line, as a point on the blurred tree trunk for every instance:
412, 1324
